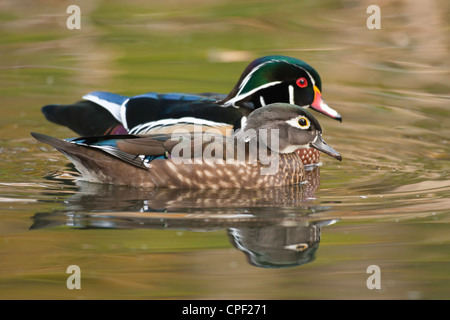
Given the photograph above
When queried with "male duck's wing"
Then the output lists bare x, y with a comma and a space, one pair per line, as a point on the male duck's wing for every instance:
103, 113
175, 110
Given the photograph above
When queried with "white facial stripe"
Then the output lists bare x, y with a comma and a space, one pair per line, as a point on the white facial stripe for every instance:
249, 76
261, 100
312, 79
240, 97
309, 74
291, 94
294, 123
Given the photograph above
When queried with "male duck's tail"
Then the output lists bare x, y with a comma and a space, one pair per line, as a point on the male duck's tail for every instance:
86, 118
97, 114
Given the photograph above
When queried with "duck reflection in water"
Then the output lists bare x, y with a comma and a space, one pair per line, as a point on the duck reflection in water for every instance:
274, 227
279, 246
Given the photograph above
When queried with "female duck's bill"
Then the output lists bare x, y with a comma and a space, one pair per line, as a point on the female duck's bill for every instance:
322, 146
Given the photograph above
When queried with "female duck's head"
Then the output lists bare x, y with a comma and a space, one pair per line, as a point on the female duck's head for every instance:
296, 128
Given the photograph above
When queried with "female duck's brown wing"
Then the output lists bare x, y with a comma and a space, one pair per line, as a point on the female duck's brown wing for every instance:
134, 149
149, 146
89, 148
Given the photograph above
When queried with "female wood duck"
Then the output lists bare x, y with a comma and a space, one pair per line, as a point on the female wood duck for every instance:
244, 159
266, 80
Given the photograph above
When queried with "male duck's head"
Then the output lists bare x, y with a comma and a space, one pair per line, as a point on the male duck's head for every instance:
297, 128
277, 78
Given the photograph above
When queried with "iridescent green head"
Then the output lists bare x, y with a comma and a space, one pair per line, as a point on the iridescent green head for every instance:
273, 79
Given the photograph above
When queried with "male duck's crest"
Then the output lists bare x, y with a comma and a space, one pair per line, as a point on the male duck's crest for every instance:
262, 155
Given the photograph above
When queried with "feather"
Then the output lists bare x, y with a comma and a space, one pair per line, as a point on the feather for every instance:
142, 146
110, 101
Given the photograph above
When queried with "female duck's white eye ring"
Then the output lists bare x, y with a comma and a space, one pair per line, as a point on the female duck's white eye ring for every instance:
303, 122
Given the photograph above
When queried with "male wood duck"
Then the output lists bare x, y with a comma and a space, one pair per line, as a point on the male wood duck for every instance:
245, 159
266, 80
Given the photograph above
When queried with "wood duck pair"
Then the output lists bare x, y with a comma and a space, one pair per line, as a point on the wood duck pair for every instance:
267, 80
130, 141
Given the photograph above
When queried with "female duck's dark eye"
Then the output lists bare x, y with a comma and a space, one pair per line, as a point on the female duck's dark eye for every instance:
302, 82
303, 122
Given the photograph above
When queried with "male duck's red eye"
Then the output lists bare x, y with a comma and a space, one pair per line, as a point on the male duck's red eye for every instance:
302, 82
